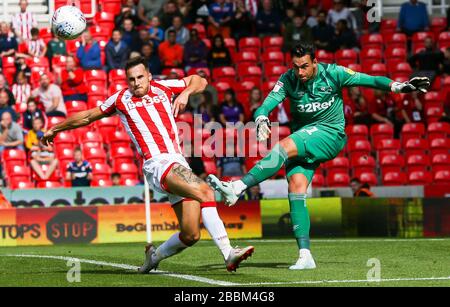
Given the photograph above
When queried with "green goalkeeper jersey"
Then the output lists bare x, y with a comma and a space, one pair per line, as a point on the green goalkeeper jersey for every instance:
319, 100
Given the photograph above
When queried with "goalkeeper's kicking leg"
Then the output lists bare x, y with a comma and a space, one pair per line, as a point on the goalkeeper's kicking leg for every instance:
198, 201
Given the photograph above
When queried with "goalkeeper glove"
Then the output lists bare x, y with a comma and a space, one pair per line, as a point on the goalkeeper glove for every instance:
262, 128
415, 84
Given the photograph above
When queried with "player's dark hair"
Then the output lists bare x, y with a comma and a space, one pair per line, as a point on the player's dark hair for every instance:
135, 61
34, 31
300, 50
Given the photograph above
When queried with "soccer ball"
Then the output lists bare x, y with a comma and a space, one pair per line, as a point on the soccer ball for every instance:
68, 22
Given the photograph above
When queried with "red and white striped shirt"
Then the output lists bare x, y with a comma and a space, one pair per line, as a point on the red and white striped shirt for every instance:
36, 48
22, 24
21, 92
149, 120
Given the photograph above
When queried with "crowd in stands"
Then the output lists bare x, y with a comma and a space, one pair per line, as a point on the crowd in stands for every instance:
240, 46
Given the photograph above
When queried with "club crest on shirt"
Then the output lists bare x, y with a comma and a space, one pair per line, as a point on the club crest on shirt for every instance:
325, 89
349, 71
278, 86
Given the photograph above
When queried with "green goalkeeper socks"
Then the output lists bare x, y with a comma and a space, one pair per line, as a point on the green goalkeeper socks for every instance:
266, 167
300, 219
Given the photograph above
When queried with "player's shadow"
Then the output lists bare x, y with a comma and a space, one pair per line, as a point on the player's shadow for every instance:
111, 272
267, 265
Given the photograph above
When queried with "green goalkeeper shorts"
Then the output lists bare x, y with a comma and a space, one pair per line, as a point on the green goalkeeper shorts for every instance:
315, 144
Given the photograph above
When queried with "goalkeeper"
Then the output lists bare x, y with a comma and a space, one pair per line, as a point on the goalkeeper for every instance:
318, 135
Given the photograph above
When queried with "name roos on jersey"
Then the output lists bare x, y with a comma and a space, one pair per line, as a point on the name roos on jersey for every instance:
315, 106
146, 101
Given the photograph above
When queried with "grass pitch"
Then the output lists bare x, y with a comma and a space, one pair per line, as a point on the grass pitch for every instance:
421, 262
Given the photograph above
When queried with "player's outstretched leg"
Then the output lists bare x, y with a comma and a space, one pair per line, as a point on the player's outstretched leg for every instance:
264, 169
298, 184
181, 181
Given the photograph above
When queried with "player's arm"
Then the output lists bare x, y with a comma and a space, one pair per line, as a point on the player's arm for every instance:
194, 85
79, 119
349, 78
275, 97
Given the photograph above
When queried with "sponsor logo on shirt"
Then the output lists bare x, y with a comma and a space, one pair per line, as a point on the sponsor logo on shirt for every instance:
145, 102
315, 106
349, 71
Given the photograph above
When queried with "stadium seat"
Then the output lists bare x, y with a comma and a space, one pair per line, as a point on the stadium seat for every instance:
438, 24
64, 139
96, 75
107, 125
116, 75
210, 167
338, 164
318, 181
105, 20
339, 180
111, 6
100, 182
201, 30
442, 177
129, 182
91, 139
272, 43
273, 72
121, 155
249, 58
325, 56
381, 131
94, 154
272, 58
355, 67
221, 87
440, 146
115, 87
268, 86
345, 57
359, 147
250, 73
250, 44
369, 56
419, 178
444, 39
49, 184
21, 184
101, 170
9, 155
393, 179
118, 139
388, 146
178, 72
369, 178
417, 162
224, 74
434, 98
377, 69
412, 130
357, 132
433, 114
372, 41
392, 163
197, 70
440, 162
396, 53
74, 106
127, 170
362, 164
402, 69
418, 39
45, 34
41, 63
18, 172
415, 147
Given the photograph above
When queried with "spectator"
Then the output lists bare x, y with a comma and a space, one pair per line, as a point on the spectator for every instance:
22, 66
117, 52
4, 107
116, 179
280, 114
297, 32
428, 61
56, 46
340, 12
89, 52
43, 155
130, 36
256, 99
381, 108
23, 22
21, 89
156, 33
323, 33
202, 105
254, 193
344, 37
195, 162
361, 13
219, 55
79, 171
413, 17
32, 113
51, 97
195, 52
231, 110
35, 46
220, 15
8, 42
11, 136
445, 63
360, 114
230, 165
4, 87
154, 63
242, 21
408, 109
71, 81
289, 15
210, 89
268, 20
359, 189
128, 10
312, 18
170, 52
34, 134
182, 34
169, 11
199, 11
148, 9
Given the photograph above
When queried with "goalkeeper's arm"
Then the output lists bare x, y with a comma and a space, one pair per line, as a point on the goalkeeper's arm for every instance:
261, 116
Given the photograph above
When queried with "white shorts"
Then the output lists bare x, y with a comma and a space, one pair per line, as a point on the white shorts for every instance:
156, 170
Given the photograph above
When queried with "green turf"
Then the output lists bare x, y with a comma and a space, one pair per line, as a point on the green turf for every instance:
336, 260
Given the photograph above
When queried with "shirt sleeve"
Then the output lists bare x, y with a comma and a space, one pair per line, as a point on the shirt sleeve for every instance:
109, 106
175, 85
348, 78
275, 97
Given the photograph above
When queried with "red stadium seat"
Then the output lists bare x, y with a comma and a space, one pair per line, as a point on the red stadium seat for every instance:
378, 69
94, 154
210, 167
250, 44
268, 86
74, 106
107, 125
100, 182
246, 57
388, 25
381, 131
418, 39
370, 56
369, 178
362, 164
21, 184
359, 147
440, 162
224, 74
388, 145
444, 39
127, 170
415, 147
396, 53
433, 114
91, 139
122, 155
118, 139
402, 69
442, 177
96, 75
345, 57
273, 57
355, 67
318, 181
419, 178
178, 72
357, 132
14, 155
412, 130
101, 169
325, 56
417, 162
198, 70
115, 87
338, 164
18, 172
250, 73
45, 34
49, 184
393, 179
65, 139
129, 182
372, 41
116, 75
438, 24
339, 180
440, 146
434, 98
111, 6
392, 163
273, 72
272, 43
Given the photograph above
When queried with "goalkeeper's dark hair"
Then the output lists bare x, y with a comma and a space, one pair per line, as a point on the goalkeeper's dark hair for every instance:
135, 61
302, 49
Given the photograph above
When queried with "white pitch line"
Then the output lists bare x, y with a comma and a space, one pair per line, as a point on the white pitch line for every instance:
307, 282
128, 267
347, 240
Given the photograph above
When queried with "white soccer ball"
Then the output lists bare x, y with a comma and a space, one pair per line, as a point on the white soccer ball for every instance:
68, 22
